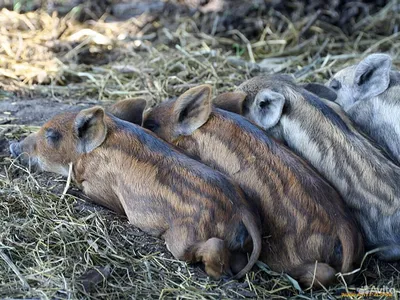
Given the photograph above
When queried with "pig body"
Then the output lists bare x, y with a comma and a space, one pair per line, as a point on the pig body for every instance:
199, 212
365, 178
369, 92
303, 217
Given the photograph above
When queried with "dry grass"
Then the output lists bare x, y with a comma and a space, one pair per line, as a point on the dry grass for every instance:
50, 245
161, 57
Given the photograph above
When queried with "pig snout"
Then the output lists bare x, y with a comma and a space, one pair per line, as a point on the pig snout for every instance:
15, 149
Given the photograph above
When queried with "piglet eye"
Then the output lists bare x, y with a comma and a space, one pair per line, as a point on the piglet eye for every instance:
52, 136
335, 85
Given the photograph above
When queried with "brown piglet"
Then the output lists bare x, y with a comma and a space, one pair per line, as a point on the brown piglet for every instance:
202, 215
307, 231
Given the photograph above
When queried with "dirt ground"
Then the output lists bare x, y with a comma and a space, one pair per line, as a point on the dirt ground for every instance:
38, 110
56, 246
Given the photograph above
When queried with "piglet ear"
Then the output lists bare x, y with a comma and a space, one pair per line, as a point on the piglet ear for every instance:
192, 109
372, 75
130, 110
266, 110
321, 91
231, 101
90, 128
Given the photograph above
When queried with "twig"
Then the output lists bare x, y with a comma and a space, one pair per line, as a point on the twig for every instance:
67, 185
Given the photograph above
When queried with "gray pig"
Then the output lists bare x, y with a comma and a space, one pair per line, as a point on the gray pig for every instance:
319, 131
369, 92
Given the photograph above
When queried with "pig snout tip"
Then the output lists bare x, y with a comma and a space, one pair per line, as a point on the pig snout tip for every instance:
15, 149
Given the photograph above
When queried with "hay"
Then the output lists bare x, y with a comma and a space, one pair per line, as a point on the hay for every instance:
55, 246
149, 56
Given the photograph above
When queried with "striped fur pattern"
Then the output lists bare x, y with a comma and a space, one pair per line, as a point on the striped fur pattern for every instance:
377, 113
304, 220
201, 214
365, 178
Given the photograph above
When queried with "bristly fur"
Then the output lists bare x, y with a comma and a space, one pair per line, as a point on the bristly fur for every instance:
303, 217
365, 178
373, 105
202, 215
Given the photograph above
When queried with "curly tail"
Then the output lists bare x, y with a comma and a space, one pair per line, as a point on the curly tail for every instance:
323, 274
352, 249
255, 233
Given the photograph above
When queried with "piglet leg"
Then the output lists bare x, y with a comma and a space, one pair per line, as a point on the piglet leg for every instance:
213, 253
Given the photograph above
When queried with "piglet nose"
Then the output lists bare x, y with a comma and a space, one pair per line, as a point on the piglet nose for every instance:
15, 149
